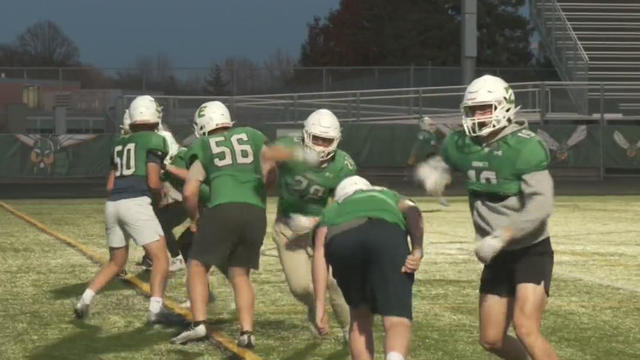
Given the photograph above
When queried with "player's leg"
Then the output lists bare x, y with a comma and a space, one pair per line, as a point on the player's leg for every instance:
117, 261
170, 216
397, 336
244, 256
118, 254
296, 264
533, 278
339, 306
361, 333
497, 290
245, 303
387, 247
197, 275
139, 220
495, 318
527, 317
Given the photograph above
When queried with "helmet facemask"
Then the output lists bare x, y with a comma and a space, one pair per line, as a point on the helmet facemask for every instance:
322, 144
493, 93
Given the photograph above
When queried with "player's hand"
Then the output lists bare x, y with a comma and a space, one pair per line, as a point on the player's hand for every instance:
322, 321
412, 263
488, 247
434, 174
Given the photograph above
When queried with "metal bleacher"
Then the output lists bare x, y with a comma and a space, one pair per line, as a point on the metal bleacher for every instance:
605, 36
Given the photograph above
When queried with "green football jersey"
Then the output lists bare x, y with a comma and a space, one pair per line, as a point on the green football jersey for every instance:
306, 189
180, 161
231, 160
129, 157
426, 145
497, 168
379, 203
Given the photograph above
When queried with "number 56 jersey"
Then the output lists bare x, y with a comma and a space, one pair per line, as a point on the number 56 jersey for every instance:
129, 157
231, 161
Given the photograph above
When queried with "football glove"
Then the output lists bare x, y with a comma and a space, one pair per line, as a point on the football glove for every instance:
434, 174
301, 224
489, 246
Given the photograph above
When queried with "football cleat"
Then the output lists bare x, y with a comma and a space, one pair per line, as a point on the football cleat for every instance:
81, 310
177, 263
192, 333
246, 340
145, 262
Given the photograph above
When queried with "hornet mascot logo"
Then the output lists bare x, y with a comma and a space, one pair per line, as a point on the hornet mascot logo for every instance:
45, 147
561, 150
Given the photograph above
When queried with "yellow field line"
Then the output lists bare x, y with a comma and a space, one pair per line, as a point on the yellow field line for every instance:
217, 335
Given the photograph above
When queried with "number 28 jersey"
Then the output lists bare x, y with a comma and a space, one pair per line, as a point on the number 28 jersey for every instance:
497, 168
231, 161
129, 157
306, 189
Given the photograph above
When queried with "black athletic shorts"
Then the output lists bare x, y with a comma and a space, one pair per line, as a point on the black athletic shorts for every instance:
230, 234
366, 262
532, 264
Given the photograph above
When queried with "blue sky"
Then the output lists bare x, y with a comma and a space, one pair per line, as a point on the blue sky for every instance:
192, 32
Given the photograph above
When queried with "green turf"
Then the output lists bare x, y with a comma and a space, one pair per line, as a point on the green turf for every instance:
593, 313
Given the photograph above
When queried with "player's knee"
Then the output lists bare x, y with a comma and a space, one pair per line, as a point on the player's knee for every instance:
525, 328
491, 343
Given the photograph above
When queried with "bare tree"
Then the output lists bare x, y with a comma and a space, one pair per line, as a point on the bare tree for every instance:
279, 68
45, 44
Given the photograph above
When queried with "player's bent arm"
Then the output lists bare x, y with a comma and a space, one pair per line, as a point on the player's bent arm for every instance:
320, 268
413, 215
154, 182
191, 190
177, 172
320, 273
111, 179
268, 166
537, 192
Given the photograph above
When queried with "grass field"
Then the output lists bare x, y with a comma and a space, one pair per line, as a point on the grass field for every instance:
593, 313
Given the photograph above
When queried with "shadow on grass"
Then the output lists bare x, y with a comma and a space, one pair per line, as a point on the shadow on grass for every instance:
88, 343
76, 290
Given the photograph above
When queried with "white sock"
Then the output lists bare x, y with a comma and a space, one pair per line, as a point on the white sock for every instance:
394, 355
87, 296
155, 304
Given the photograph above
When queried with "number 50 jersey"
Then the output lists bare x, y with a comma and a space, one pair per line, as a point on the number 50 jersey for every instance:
129, 157
231, 160
497, 168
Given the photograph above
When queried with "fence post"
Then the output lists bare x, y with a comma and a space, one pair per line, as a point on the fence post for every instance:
144, 82
543, 102
358, 106
602, 125
59, 77
324, 79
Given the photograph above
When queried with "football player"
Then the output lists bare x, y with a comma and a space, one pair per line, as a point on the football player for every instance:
426, 146
230, 229
362, 235
304, 190
133, 186
511, 198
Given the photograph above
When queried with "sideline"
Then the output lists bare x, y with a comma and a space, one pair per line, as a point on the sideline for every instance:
172, 305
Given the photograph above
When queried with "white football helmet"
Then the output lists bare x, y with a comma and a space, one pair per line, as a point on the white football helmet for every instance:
426, 124
349, 185
145, 110
324, 124
126, 121
487, 90
209, 116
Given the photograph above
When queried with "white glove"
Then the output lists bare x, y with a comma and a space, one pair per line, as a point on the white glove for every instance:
301, 224
488, 247
306, 155
434, 174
